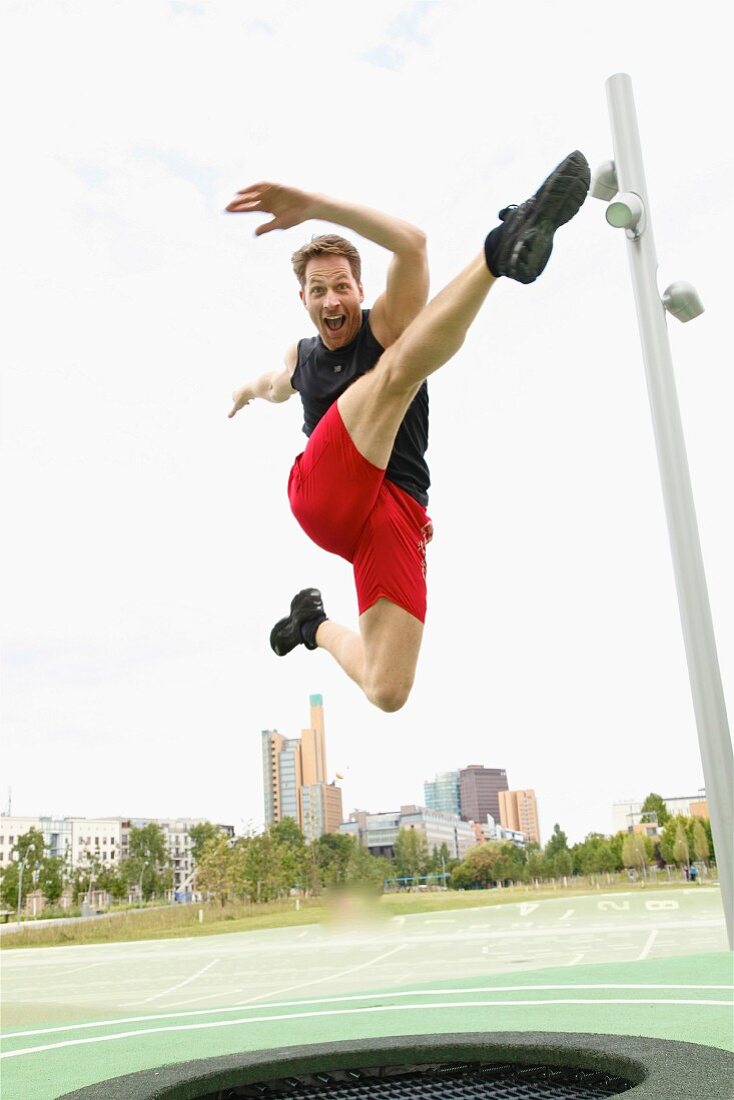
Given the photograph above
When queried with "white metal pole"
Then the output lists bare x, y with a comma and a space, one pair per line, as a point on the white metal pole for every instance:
632, 211
20, 887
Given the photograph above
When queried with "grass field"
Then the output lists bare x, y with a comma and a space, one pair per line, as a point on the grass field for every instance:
184, 920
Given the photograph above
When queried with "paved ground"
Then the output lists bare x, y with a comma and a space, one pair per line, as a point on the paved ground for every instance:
644, 963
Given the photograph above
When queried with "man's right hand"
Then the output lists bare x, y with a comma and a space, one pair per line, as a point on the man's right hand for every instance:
241, 397
288, 205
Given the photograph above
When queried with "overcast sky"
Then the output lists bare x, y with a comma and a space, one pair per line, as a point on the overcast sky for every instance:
148, 546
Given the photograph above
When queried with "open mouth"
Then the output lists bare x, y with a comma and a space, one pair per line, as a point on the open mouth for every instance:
335, 323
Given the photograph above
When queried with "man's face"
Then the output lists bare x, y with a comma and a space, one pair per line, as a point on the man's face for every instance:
333, 298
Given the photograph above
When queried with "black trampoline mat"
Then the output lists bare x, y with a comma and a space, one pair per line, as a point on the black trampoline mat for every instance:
453, 1081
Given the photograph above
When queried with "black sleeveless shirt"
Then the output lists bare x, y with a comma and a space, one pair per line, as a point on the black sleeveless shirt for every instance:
321, 376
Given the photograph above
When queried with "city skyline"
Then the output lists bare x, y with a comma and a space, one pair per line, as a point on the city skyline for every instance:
626, 813
446, 791
315, 757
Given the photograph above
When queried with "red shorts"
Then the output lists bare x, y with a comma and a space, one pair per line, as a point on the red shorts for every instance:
348, 507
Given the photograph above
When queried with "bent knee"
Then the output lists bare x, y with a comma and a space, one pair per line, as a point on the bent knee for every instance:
389, 697
394, 379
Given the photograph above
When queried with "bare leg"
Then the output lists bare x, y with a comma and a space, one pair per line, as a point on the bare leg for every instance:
382, 658
374, 406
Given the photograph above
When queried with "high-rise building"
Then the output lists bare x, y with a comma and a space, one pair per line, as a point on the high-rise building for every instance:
442, 793
519, 812
294, 778
322, 811
479, 789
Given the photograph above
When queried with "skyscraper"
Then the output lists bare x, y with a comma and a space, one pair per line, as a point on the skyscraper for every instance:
479, 788
442, 793
294, 778
519, 811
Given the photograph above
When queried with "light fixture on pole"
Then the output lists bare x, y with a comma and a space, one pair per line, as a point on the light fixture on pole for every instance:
621, 182
30, 848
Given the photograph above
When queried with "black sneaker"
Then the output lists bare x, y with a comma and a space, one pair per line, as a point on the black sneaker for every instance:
307, 611
521, 246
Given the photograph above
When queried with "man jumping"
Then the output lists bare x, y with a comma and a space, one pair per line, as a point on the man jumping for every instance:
360, 487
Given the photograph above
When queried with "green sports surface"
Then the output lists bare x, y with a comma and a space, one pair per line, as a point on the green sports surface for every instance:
647, 963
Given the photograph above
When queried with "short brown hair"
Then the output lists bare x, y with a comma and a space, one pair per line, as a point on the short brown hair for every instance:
328, 244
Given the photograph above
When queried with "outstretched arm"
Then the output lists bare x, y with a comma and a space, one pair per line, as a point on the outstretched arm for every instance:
407, 281
274, 386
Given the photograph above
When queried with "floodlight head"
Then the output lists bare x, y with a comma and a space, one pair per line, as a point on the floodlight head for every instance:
683, 301
626, 211
604, 184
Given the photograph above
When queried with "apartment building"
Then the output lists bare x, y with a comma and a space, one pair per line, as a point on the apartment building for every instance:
70, 838
78, 839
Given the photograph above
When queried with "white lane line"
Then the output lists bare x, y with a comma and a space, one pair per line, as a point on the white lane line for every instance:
76, 970
186, 981
567, 914
370, 1010
607, 987
576, 960
304, 985
646, 949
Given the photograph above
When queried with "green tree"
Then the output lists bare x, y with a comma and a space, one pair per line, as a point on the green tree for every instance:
654, 804
615, 847
215, 868
483, 866
701, 848
535, 865
114, 880
200, 834
557, 856
9, 886
410, 853
269, 865
562, 864
148, 861
593, 856
637, 852
50, 878
675, 843
331, 854
290, 849
512, 864
441, 861
87, 873
33, 838
364, 869
681, 847
705, 822
40, 870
